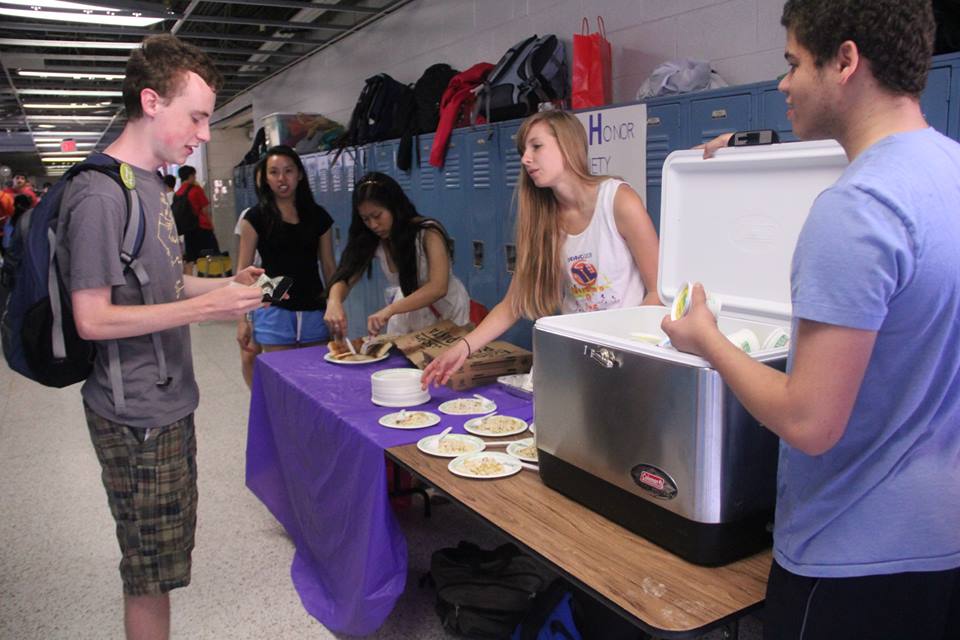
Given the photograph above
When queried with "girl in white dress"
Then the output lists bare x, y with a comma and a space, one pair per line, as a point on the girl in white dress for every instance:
414, 253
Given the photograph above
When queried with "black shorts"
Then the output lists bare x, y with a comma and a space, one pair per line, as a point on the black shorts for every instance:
900, 606
196, 242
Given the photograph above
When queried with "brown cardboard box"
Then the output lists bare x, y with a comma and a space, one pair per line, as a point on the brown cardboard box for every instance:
482, 367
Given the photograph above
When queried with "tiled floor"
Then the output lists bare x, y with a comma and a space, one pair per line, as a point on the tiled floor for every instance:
58, 553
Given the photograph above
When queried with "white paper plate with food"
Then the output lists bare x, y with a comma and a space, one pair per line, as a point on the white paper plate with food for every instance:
485, 465
353, 358
495, 426
453, 445
525, 449
467, 406
409, 419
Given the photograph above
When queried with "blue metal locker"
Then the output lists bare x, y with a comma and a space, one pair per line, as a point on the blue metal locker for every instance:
452, 198
481, 248
664, 135
423, 187
709, 117
773, 114
935, 100
521, 334
383, 158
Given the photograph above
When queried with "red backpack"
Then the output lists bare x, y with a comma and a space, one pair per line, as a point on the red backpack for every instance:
455, 107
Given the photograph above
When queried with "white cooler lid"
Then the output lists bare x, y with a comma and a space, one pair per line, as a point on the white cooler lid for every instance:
732, 222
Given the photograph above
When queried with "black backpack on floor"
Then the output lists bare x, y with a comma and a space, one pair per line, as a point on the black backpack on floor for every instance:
484, 593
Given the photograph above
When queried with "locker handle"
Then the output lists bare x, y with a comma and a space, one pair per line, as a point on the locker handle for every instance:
477, 254
510, 254
716, 114
653, 121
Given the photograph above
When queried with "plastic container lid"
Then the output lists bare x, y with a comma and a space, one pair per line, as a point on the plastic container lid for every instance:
732, 222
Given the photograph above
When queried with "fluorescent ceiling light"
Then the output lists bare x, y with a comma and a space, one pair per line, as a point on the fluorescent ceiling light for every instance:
69, 92
46, 126
56, 145
65, 134
63, 105
71, 44
88, 17
75, 75
71, 118
56, 4
57, 154
62, 160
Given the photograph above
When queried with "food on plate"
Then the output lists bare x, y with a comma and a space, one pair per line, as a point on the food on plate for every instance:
465, 405
483, 466
412, 419
529, 451
455, 445
497, 424
340, 351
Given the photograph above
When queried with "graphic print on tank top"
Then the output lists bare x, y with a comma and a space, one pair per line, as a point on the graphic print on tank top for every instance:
588, 289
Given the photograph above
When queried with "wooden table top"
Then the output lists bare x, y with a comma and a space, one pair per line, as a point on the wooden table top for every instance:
662, 591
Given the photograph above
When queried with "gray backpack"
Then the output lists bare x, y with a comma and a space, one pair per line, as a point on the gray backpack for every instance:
530, 72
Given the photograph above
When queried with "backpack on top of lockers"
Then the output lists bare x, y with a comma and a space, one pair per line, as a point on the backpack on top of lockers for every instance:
377, 114
427, 92
532, 71
422, 113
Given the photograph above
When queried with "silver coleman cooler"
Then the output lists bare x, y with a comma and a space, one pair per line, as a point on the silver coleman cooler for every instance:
650, 437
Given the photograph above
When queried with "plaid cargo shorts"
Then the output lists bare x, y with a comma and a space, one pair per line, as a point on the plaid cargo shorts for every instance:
151, 482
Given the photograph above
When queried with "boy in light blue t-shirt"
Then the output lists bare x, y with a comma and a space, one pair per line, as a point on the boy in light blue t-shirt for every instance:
866, 541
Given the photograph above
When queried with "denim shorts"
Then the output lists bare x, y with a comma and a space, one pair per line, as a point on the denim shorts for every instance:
275, 326
151, 482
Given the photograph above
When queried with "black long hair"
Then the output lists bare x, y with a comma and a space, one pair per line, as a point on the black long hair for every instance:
362, 242
306, 205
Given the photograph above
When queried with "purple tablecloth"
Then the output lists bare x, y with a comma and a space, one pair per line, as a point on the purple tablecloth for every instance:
315, 459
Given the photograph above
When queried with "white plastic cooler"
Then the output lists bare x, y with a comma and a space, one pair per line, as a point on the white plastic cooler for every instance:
651, 437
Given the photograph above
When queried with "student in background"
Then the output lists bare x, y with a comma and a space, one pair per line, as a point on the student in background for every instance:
170, 182
414, 254
868, 413
584, 242
291, 232
202, 238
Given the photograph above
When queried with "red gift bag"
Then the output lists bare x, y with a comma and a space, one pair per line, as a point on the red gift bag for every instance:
592, 81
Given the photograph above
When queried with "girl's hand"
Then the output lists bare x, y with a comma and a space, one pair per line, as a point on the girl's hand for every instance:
447, 363
336, 319
245, 336
377, 321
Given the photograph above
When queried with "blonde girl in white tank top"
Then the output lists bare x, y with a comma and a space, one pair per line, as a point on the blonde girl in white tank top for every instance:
584, 242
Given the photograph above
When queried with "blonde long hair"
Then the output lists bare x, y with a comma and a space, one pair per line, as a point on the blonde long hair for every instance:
539, 276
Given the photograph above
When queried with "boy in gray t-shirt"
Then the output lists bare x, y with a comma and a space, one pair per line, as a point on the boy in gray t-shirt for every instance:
144, 438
